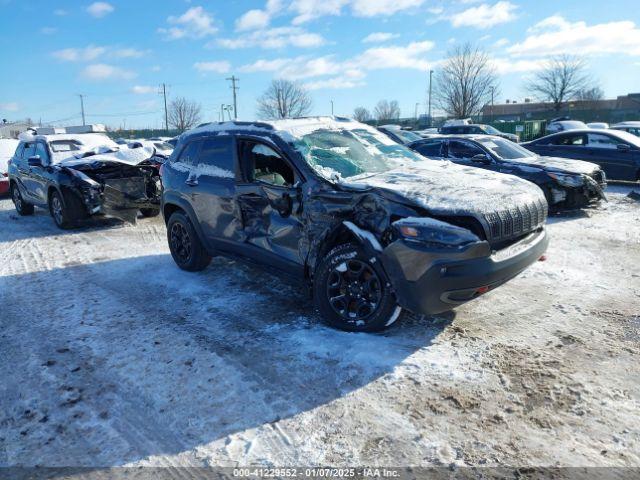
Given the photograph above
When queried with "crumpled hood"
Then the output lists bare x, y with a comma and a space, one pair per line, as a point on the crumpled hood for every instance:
127, 156
558, 164
445, 188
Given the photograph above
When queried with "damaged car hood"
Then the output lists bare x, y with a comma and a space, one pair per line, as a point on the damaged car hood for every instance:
127, 156
557, 164
445, 188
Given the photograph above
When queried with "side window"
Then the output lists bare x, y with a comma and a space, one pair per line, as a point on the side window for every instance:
477, 130
41, 150
570, 140
263, 164
218, 152
603, 141
189, 154
458, 149
29, 150
431, 148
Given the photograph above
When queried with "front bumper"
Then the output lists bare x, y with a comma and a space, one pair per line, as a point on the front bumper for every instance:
431, 281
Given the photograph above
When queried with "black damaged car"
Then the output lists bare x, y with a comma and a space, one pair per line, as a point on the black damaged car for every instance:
565, 183
77, 175
373, 227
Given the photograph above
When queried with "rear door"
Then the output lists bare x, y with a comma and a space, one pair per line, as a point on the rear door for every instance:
568, 145
433, 148
617, 162
211, 184
269, 196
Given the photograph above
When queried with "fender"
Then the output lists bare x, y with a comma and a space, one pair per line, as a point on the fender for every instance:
171, 198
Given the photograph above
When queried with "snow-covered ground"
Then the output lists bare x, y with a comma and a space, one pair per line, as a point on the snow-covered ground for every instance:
113, 356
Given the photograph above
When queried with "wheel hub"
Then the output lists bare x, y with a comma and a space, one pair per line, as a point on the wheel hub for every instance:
180, 242
354, 291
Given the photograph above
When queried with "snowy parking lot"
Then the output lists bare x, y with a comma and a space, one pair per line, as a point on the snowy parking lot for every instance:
113, 356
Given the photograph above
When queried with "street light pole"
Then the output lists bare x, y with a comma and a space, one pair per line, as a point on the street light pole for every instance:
416, 114
332, 108
430, 82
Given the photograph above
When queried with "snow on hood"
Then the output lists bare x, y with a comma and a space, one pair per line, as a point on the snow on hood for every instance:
7, 149
128, 156
558, 164
446, 188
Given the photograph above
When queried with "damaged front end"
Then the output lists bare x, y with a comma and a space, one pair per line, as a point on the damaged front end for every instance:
116, 189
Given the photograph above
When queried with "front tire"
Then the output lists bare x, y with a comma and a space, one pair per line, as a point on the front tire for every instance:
66, 212
23, 208
184, 243
149, 212
352, 291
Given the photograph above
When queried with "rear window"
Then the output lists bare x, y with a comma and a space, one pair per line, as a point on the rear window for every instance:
218, 152
189, 153
63, 146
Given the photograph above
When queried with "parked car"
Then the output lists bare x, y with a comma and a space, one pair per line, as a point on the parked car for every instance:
397, 134
7, 149
598, 125
76, 175
427, 132
631, 127
477, 129
162, 148
617, 152
368, 223
563, 124
565, 183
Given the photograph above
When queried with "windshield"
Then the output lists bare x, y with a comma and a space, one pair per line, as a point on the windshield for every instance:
336, 154
491, 130
505, 149
407, 136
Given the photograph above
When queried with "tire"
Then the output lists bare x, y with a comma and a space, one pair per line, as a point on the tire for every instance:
149, 212
23, 208
185, 245
66, 212
353, 293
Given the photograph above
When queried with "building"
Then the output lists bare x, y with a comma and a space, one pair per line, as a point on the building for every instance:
625, 107
13, 129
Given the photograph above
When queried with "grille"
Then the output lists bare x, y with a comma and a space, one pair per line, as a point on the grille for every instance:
515, 222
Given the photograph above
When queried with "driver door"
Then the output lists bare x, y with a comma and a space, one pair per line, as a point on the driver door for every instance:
270, 203
462, 153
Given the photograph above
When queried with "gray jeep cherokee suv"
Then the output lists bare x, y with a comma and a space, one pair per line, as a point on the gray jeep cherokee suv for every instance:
372, 226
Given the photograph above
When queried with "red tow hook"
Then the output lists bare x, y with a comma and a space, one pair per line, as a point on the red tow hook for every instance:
543, 258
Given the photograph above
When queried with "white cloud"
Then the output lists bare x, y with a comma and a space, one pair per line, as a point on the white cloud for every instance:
273, 38
377, 37
85, 54
258, 19
485, 15
504, 66
102, 71
307, 10
9, 107
348, 73
555, 35
217, 67
60, 12
501, 43
196, 22
100, 9
129, 53
143, 89
48, 30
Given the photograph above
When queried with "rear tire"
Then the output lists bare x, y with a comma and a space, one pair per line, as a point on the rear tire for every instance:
23, 208
352, 292
67, 211
185, 245
149, 212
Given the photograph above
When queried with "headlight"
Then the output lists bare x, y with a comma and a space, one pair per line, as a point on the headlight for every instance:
568, 180
433, 233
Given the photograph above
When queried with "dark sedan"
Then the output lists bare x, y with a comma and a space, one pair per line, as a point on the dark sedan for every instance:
477, 129
565, 183
617, 152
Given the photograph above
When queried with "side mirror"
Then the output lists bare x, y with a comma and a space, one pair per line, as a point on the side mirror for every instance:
623, 147
35, 161
481, 158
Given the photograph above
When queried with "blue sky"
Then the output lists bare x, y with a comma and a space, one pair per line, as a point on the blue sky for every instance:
354, 52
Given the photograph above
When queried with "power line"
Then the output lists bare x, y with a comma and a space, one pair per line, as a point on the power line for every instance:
234, 79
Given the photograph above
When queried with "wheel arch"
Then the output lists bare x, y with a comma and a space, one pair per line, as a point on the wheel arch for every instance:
174, 203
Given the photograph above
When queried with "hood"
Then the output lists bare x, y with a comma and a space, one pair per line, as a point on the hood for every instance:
445, 188
557, 164
127, 156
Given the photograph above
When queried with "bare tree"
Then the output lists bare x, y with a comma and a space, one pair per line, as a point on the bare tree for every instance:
387, 110
361, 114
592, 94
561, 79
184, 114
284, 99
465, 82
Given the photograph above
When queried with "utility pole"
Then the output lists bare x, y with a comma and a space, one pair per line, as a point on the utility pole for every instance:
233, 80
332, 108
430, 81
82, 107
166, 114
491, 110
416, 114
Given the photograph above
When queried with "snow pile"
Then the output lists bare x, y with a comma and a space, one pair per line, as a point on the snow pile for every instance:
202, 169
7, 149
